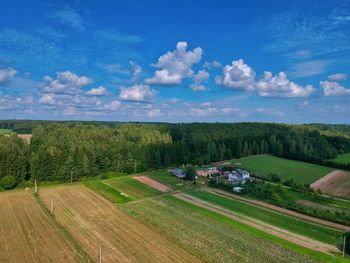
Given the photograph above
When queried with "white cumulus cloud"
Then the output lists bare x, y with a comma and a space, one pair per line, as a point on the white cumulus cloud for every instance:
201, 76
281, 87
65, 83
154, 113
175, 66
136, 71
333, 88
6, 75
238, 75
138, 93
100, 91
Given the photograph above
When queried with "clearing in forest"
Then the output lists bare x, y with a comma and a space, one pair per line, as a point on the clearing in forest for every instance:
300, 172
336, 183
92, 220
148, 181
27, 234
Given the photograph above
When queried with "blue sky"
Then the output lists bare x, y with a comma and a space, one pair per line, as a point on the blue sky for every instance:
178, 61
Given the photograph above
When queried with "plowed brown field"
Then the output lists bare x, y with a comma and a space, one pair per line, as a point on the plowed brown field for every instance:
92, 220
335, 183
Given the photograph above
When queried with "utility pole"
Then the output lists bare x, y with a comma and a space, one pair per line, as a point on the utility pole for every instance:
100, 260
71, 177
35, 187
51, 206
344, 245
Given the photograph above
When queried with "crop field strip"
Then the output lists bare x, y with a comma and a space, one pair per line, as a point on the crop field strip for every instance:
131, 187
27, 234
336, 183
207, 234
91, 219
298, 226
281, 210
300, 172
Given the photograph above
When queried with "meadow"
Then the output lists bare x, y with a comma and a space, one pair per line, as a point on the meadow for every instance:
5, 131
342, 158
300, 172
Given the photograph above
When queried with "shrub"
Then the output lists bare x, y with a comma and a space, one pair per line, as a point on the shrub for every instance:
8, 182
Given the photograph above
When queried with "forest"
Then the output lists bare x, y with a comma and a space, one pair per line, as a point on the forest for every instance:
63, 151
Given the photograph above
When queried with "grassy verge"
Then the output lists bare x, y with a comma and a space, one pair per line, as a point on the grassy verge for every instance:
220, 218
62, 230
314, 231
107, 192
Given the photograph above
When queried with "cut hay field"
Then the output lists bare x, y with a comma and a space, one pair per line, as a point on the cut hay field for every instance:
300, 172
211, 236
91, 220
28, 234
342, 158
298, 226
131, 187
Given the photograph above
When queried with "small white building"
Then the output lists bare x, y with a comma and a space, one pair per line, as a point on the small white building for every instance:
238, 176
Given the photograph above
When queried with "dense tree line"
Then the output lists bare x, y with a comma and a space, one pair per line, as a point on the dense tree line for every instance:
69, 150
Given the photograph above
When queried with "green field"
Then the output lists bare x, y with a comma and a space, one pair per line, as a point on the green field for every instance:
215, 238
300, 172
132, 187
314, 231
342, 158
107, 191
5, 131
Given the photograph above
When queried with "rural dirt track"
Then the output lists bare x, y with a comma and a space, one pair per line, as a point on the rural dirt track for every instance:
335, 183
276, 231
27, 234
281, 210
91, 219
152, 183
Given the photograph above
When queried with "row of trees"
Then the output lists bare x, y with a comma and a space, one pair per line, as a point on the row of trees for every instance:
70, 150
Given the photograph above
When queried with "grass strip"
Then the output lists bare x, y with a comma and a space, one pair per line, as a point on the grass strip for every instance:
108, 192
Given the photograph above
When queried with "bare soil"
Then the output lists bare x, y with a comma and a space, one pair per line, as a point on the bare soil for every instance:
150, 182
276, 231
25, 137
92, 220
336, 183
27, 234
282, 210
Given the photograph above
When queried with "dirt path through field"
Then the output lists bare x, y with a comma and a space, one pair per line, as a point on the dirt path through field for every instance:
335, 183
276, 231
91, 219
267, 206
152, 183
27, 234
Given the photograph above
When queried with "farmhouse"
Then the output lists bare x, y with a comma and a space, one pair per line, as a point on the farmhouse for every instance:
177, 172
238, 176
208, 172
